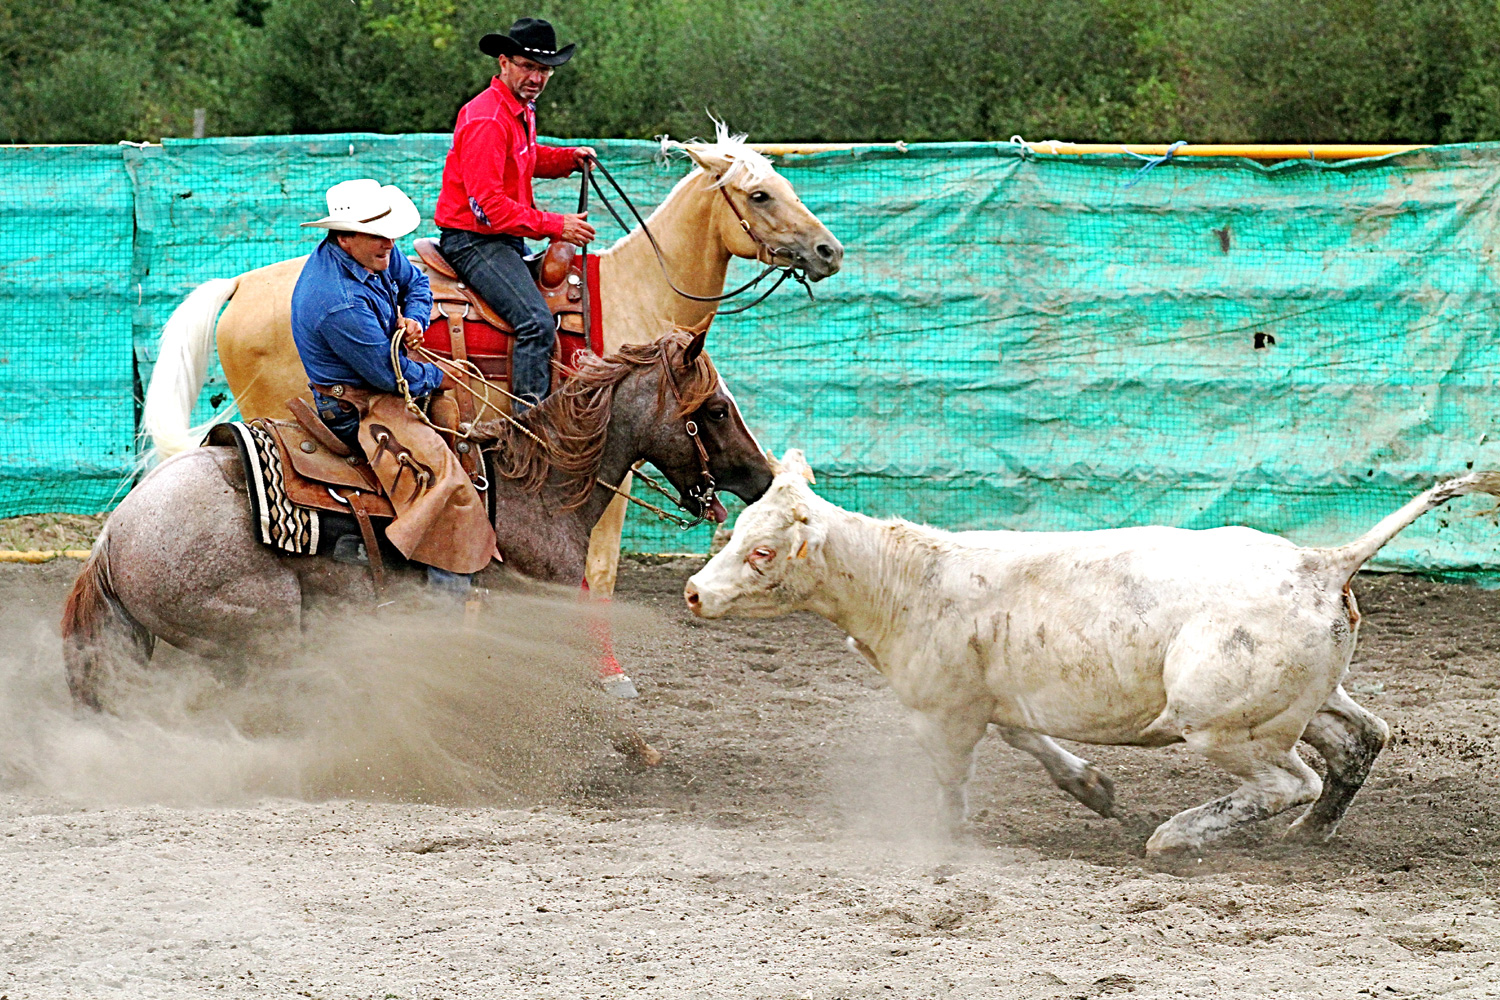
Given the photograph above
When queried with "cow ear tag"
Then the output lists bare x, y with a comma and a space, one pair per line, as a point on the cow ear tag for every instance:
802, 552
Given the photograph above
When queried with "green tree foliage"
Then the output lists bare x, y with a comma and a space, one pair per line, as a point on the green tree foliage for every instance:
1144, 70
105, 70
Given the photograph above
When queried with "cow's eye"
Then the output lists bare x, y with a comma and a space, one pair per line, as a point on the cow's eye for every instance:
762, 555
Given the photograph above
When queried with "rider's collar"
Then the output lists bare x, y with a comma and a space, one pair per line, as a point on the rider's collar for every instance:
356, 270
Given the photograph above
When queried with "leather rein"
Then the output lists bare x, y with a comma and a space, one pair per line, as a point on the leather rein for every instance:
766, 254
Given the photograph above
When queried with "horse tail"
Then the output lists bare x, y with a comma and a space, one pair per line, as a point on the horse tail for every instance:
1344, 561
97, 630
181, 367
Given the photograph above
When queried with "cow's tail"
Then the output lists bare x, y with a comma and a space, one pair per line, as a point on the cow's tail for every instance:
181, 367
1345, 561
98, 633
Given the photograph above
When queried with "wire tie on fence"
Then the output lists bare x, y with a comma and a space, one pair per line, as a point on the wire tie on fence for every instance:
1152, 162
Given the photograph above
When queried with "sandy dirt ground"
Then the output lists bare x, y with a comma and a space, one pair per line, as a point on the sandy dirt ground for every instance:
463, 828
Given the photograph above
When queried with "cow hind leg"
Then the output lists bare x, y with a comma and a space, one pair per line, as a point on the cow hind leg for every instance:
1349, 739
949, 739
1071, 773
1275, 780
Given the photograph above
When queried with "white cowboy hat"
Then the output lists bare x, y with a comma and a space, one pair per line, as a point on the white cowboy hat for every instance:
363, 206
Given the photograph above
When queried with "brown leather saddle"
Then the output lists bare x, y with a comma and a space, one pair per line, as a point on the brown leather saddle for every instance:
464, 327
320, 472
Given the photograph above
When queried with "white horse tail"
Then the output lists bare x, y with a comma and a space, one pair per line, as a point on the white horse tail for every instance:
181, 367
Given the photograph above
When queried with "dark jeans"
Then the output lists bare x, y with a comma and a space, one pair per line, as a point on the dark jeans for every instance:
341, 417
492, 265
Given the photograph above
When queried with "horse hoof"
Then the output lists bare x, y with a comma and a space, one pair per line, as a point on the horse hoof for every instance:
636, 750
619, 685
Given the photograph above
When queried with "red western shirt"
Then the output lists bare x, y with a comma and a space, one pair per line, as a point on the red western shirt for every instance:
487, 176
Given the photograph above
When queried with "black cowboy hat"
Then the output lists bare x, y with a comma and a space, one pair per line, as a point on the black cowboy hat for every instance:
530, 37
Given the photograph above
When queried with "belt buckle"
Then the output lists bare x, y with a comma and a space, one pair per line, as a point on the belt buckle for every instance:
337, 390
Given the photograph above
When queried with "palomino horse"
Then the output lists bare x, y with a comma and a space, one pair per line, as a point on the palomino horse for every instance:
180, 560
696, 228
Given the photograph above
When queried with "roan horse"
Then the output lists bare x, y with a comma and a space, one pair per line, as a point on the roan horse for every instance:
179, 559
696, 228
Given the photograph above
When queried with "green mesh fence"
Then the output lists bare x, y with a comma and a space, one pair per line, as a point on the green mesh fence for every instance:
67, 392
1015, 340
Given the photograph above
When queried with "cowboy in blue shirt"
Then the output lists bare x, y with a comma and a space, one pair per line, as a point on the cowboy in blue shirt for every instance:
355, 293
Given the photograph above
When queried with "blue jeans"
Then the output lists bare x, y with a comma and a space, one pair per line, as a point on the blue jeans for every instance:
492, 265
341, 417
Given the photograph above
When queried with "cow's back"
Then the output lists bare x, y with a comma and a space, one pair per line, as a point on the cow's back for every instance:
1075, 628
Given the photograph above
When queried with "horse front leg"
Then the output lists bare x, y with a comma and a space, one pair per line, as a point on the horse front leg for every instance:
623, 736
603, 566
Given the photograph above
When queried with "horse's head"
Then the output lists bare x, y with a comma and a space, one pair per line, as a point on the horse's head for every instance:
695, 402
760, 215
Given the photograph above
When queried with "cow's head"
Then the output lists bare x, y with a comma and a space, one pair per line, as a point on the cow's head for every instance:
770, 565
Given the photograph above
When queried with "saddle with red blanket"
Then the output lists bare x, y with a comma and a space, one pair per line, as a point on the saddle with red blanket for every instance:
464, 327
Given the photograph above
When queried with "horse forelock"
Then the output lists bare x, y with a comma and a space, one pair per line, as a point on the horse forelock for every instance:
571, 423
746, 165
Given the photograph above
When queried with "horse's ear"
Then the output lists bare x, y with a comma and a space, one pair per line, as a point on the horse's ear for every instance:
694, 348
706, 156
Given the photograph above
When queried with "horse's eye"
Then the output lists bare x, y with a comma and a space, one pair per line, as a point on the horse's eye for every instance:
718, 413
760, 196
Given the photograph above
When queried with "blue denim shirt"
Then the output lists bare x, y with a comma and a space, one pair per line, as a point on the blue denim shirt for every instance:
343, 318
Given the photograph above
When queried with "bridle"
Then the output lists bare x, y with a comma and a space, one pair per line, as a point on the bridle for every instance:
765, 253
704, 493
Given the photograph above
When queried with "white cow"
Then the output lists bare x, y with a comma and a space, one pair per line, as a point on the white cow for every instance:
1230, 640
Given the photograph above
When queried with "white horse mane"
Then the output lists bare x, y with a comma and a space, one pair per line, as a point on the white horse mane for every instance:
743, 161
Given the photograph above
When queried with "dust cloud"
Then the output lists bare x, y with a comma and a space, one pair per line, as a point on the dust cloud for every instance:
881, 783
413, 703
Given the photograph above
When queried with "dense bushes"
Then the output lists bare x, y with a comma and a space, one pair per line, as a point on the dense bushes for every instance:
1205, 70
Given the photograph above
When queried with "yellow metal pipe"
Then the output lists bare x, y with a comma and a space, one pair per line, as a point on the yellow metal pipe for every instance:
1253, 151
42, 555
805, 148
1261, 151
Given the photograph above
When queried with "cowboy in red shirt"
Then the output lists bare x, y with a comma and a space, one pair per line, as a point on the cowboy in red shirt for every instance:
486, 210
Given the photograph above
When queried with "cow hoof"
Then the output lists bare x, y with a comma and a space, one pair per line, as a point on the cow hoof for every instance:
1303, 832
1094, 789
1168, 840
